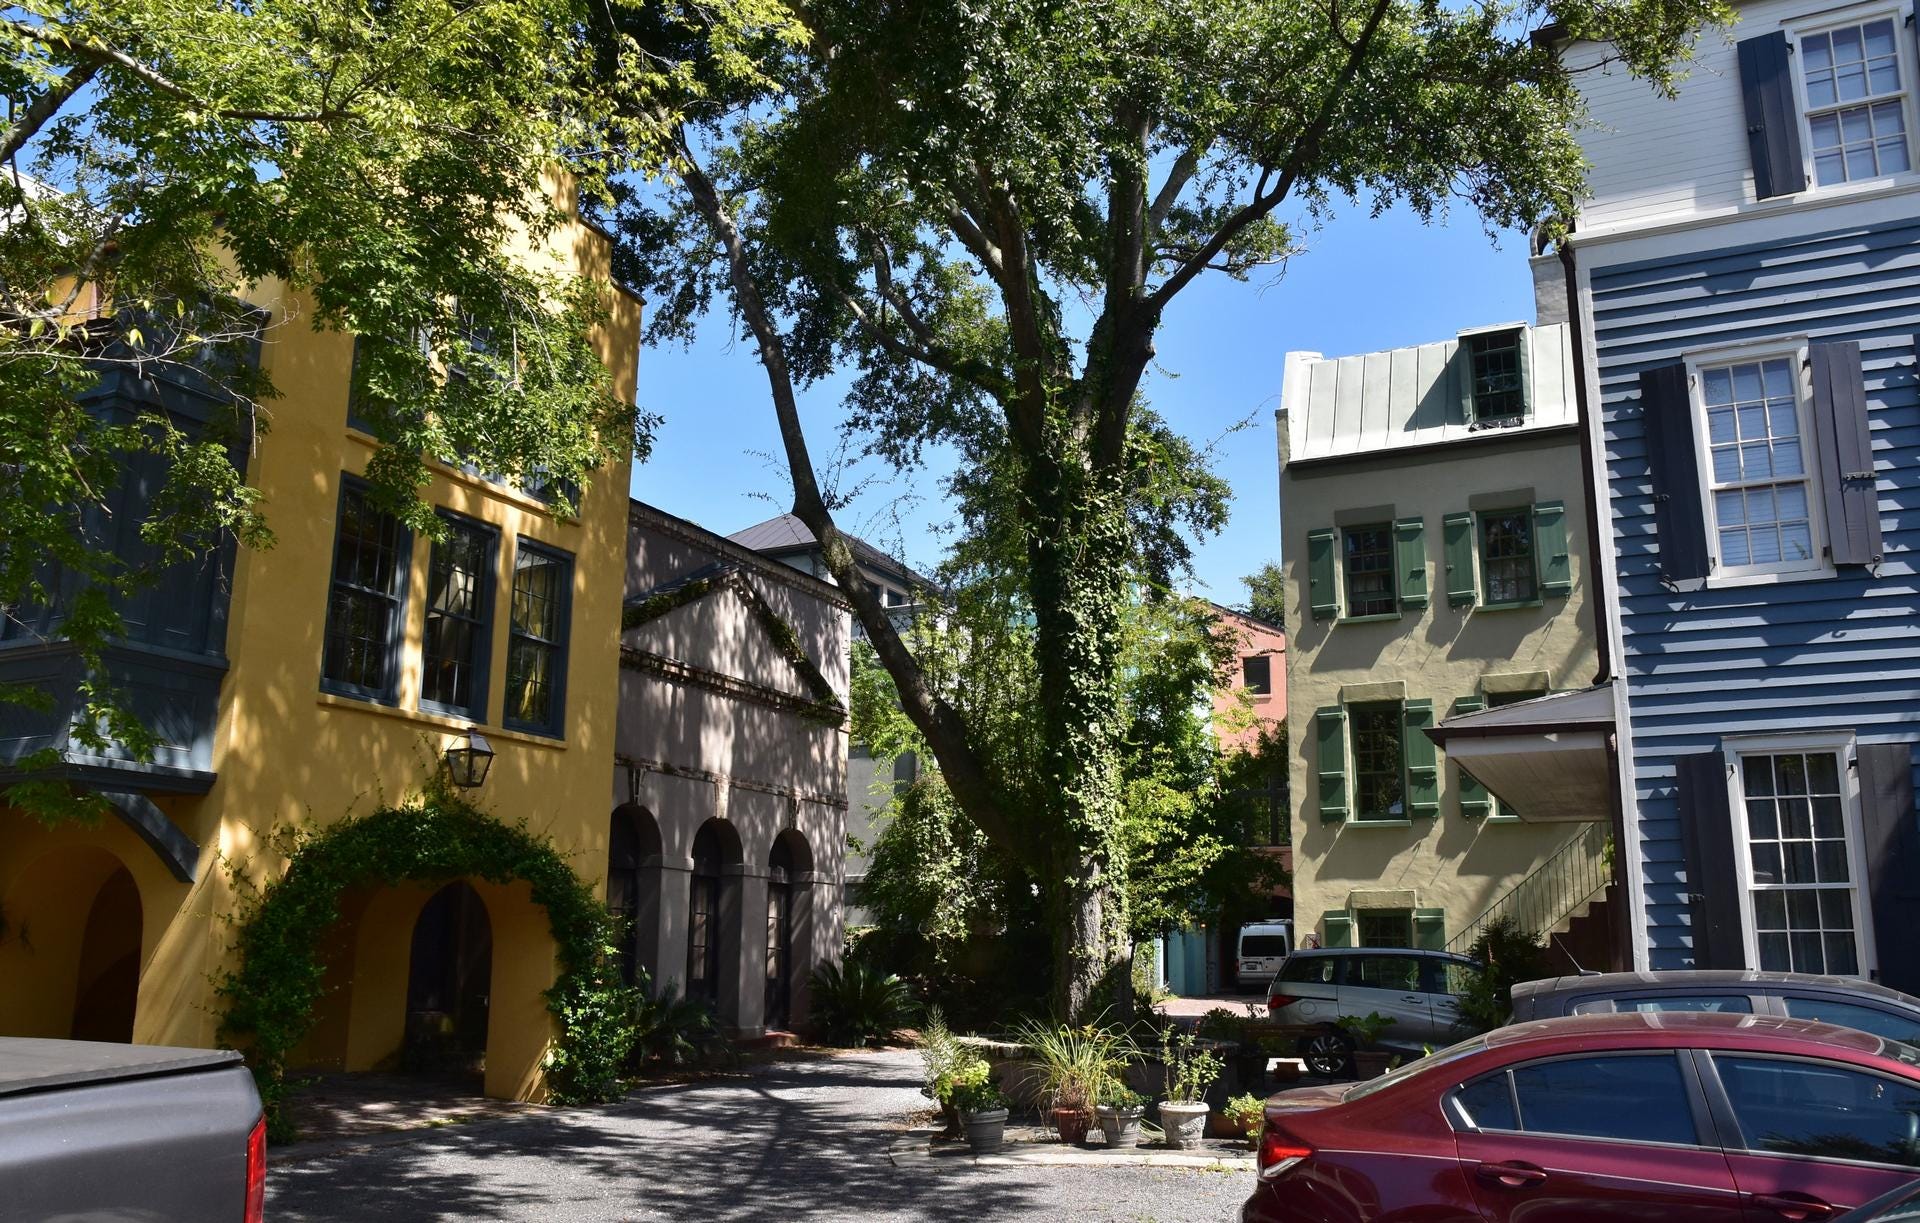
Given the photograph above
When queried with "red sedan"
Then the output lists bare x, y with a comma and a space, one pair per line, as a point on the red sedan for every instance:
1661, 1117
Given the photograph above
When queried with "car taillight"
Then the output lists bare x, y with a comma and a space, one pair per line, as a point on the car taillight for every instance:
257, 1172
1276, 1001
1279, 1151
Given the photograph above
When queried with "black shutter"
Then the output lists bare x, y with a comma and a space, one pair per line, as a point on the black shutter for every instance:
1847, 485
1773, 119
1667, 415
1706, 829
1893, 859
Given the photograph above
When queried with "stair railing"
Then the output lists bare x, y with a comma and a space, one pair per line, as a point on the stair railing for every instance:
1573, 875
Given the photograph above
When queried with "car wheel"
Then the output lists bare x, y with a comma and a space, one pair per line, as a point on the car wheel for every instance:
1328, 1054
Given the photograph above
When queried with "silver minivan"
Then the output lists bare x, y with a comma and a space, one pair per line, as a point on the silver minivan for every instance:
1416, 991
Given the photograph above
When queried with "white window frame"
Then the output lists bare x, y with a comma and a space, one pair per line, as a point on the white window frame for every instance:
1904, 53
1719, 573
1842, 744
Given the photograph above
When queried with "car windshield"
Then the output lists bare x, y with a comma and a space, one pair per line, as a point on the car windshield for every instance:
1419, 1066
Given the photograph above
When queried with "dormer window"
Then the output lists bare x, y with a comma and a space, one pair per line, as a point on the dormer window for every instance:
1856, 118
1497, 366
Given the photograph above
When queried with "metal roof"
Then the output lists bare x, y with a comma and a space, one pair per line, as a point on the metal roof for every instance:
1410, 397
785, 533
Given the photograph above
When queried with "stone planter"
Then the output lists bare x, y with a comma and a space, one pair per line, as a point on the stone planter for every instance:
1120, 1127
1184, 1123
1287, 1072
1071, 1124
986, 1130
1370, 1064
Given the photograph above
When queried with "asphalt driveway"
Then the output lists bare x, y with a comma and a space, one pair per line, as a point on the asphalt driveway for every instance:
804, 1140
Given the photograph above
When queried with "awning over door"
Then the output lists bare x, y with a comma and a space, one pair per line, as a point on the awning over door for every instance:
1545, 758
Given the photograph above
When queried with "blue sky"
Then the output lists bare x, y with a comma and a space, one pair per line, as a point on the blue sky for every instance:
1362, 284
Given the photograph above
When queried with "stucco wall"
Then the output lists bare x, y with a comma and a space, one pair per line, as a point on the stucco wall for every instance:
285, 752
1440, 652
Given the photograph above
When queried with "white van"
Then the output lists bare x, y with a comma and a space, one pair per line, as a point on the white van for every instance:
1262, 947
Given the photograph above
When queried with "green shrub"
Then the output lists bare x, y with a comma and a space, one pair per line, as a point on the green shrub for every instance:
1246, 1113
1511, 956
857, 1004
1190, 1070
672, 1031
1077, 1064
940, 1052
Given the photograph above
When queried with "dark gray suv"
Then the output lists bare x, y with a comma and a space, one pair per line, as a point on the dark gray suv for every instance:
1848, 1001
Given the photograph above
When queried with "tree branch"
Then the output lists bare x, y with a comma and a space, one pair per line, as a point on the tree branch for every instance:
1304, 147
35, 114
973, 373
938, 721
1184, 168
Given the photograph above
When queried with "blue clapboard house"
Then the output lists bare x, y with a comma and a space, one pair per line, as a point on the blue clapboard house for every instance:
1747, 279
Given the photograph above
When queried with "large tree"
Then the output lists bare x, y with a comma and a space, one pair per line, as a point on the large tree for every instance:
164, 157
987, 207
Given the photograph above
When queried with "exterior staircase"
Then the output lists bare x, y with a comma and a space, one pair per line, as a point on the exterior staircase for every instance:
1567, 902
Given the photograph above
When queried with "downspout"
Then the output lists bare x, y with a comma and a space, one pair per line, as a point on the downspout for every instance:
1620, 911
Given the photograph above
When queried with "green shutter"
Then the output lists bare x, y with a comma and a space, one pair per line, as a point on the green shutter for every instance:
1475, 802
1339, 924
1550, 548
1423, 780
1461, 584
1410, 552
1523, 358
1430, 929
1322, 595
1331, 725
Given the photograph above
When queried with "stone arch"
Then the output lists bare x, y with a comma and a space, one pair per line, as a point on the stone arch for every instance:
73, 934
402, 854
714, 919
635, 862
789, 865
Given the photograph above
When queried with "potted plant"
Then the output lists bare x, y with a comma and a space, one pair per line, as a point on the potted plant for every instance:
982, 1109
1076, 1064
1190, 1071
941, 1053
1246, 1114
1368, 1063
1119, 1113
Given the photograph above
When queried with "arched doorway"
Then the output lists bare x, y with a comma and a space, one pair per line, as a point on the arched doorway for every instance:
107, 986
633, 887
449, 979
790, 857
712, 940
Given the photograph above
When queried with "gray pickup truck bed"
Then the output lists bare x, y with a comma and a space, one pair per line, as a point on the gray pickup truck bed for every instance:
92, 1131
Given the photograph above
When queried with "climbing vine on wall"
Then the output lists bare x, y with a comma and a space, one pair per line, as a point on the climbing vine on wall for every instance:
271, 993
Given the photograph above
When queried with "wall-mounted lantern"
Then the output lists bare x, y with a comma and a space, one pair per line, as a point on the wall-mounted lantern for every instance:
468, 759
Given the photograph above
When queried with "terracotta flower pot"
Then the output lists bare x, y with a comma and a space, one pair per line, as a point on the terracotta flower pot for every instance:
1071, 1124
1368, 1064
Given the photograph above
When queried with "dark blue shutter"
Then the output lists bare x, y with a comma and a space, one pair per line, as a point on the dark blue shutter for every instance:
1773, 119
1667, 416
1847, 485
1713, 890
1893, 859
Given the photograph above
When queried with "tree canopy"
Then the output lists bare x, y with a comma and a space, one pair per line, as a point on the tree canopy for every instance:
389, 160
984, 208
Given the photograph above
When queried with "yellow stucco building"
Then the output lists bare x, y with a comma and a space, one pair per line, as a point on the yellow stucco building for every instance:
321, 678
1436, 564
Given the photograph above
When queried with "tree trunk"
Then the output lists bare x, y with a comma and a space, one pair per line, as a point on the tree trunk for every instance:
1078, 550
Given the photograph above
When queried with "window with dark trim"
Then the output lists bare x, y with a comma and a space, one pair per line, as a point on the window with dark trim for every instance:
1379, 779
1507, 566
1368, 562
365, 604
1819, 1109
1256, 673
456, 644
537, 639
1627, 1097
1497, 393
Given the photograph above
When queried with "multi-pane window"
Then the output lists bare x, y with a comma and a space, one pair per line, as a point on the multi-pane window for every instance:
1856, 121
370, 553
1507, 569
1497, 392
1378, 774
537, 641
1368, 564
1756, 466
453, 664
1386, 928
1799, 864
